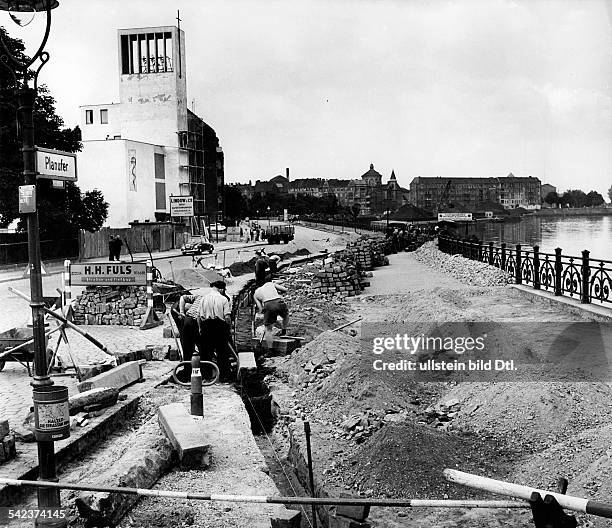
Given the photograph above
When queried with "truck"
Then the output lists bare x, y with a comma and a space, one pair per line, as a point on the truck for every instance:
279, 233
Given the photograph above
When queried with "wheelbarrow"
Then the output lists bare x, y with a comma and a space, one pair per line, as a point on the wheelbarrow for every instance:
17, 344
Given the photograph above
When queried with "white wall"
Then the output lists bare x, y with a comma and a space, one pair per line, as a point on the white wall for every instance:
97, 130
106, 165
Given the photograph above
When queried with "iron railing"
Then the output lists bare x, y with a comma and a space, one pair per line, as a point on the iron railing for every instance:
584, 278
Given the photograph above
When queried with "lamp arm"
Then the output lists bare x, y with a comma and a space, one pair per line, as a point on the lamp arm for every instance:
24, 66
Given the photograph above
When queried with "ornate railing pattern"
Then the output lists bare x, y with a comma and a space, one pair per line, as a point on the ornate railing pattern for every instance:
583, 278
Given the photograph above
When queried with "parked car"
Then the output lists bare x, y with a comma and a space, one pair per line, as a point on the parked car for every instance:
197, 247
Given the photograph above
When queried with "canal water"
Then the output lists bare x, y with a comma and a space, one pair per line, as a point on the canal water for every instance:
572, 234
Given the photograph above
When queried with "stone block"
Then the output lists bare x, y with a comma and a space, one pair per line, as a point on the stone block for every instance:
4, 428
8, 443
186, 434
159, 353
286, 518
119, 377
339, 521
168, 333
358, 513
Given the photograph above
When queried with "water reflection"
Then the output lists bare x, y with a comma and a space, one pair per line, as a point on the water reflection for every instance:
572, 234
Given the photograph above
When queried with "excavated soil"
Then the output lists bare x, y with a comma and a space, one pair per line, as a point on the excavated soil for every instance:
388, 435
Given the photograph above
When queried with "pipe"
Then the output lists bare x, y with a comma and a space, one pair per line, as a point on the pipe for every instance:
263, 499
66, 322
509, 489
346, 324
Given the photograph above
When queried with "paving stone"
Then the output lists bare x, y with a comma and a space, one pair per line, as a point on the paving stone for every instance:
187, 435
119, 377
4, 428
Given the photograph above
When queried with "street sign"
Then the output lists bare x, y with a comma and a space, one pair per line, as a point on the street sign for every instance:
455, 216
27, 199
55, 165
108, 274
181, 206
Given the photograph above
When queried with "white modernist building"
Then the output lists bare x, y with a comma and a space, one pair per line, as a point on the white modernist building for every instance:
149, 146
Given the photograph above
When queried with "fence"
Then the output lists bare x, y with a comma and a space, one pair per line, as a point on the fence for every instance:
585, 278
160, 237
17, 252
338, 227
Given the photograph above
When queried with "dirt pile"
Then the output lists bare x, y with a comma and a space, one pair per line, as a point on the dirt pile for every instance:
407, 460
530, 416
465, 270
334, 381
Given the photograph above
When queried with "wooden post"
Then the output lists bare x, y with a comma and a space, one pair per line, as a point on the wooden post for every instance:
150, 318
67, 285
491, 261
503, 256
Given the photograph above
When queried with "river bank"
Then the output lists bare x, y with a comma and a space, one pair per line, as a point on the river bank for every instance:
582, 211
384, 435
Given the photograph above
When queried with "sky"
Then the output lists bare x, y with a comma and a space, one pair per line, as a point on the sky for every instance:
326, 87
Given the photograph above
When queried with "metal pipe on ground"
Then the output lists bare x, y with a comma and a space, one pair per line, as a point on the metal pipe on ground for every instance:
500, 487
66, 322
347, 324
263, 499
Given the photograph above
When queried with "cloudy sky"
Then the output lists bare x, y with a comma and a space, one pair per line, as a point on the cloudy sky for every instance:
326, 87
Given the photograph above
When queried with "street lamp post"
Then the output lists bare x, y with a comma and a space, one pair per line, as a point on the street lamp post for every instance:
26, 96
268, 216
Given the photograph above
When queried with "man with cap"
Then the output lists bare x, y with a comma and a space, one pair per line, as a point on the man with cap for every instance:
261, 265
215, 315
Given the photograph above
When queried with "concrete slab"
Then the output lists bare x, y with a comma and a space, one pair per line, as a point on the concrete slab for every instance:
238, 468
187, 435
246, 361
119, 377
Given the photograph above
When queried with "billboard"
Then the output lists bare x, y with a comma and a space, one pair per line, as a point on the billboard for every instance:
181, 206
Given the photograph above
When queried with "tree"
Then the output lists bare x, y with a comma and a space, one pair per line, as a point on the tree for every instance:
552, 198
594, 199
235, 203
355, 210
59, 210
574, 198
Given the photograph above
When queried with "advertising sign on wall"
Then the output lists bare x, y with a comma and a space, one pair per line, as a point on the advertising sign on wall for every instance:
108, 274
181, 206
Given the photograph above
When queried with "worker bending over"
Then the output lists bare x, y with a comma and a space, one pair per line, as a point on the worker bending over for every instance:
215, 318
270, 302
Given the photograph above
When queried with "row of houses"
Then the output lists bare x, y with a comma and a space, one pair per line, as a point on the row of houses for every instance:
430, 193
368, 192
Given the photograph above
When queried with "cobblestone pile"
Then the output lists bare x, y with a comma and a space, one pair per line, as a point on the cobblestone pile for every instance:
111, 305
337, 277
468, 271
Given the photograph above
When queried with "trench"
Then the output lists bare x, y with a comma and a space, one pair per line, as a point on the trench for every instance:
285, 457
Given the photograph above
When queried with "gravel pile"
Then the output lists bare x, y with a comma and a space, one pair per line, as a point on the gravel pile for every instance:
465, 270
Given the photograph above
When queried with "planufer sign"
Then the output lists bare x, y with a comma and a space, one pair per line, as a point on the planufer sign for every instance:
55, 165
108, 274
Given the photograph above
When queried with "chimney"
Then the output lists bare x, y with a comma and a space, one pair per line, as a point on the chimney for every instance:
287, 173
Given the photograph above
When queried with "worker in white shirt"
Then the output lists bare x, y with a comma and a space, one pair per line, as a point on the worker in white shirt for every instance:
269, 302
215, 318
